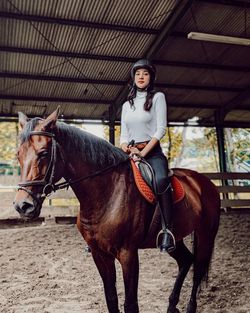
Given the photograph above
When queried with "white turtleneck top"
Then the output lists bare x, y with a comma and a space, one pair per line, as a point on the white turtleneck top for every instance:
141, 125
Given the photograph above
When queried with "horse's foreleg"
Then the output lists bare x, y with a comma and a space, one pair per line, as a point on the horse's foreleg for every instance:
130, 269
106, 267
184, 259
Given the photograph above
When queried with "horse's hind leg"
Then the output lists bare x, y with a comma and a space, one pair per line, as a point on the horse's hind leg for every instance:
184, 259
106, 267
130, 268
203, 252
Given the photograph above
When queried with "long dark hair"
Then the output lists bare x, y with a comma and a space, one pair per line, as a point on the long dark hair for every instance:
149, 98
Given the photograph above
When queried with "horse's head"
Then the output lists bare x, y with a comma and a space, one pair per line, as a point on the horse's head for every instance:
40, 167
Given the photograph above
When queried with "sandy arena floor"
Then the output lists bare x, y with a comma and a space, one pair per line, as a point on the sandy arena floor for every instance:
44, 269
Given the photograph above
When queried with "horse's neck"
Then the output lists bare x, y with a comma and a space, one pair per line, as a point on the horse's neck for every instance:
79, 173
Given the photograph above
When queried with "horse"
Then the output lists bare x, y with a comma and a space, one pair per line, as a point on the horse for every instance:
114, 218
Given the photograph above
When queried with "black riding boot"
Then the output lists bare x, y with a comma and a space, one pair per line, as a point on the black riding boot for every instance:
166, 208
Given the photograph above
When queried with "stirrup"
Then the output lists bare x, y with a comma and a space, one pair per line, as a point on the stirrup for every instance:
173, 238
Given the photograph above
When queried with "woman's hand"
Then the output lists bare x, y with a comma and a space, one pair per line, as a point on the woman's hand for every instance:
135, 151
125, 148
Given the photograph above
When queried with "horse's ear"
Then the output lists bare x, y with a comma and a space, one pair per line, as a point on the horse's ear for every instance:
50, 121
23, 119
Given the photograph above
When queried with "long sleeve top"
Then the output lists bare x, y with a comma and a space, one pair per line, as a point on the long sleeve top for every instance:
141, 125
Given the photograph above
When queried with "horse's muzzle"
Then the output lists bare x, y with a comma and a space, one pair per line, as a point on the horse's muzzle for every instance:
27, 210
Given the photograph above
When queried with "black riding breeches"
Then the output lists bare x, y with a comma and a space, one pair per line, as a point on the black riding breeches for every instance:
159, 163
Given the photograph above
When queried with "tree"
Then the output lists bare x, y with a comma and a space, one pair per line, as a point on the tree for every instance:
237, 147
117, 134
9, 142
172, 144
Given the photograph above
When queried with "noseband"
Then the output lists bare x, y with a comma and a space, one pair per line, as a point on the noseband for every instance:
47, 181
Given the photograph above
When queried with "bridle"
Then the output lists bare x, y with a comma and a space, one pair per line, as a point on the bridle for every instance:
47, 182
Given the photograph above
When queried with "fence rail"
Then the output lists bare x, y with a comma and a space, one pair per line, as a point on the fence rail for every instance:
234, 194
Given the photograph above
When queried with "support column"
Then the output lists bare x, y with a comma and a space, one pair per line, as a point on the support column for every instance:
220, 141
111, 126
219, 117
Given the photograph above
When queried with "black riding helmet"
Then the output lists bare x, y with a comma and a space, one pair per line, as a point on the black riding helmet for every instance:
144, 63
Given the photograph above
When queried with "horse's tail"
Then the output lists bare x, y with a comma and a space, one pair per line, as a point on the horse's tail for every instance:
201, 266
204, 235
203, 248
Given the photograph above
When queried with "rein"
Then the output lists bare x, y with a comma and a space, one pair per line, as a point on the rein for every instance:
49, 176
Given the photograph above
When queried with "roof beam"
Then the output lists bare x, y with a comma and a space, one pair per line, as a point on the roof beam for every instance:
65, 54
114, 82
209, 66
175, 16
198, 87
55, 99
83, 120
61, 79
202, 106
235, 102
217, 67
78, 23
241, 4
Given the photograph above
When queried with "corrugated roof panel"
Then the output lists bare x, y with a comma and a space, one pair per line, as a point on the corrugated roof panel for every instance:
57, 89
151, 13
84, 110
198, 97
71, 110
202, 77
70, 38
36, 108
134, 45
45, 65
208, 52
178, 114
239, 115
214, 18
103, 69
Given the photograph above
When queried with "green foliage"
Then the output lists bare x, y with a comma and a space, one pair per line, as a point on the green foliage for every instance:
117, 134
237, 147
172, 143
9, 141
241, 140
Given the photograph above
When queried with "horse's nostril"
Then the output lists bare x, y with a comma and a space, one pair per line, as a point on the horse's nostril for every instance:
24, 207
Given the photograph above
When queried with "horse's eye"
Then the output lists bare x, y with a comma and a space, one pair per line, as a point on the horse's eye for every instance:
42, 154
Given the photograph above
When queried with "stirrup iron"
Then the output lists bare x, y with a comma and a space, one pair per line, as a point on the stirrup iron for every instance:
163, 232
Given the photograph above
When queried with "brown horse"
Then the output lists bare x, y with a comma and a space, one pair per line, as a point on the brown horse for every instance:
114, 219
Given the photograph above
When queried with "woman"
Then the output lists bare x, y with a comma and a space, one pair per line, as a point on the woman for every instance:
143, 121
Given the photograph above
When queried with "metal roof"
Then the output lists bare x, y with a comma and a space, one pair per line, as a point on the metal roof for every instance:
78, 54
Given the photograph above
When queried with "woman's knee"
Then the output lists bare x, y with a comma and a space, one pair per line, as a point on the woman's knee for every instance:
162, 184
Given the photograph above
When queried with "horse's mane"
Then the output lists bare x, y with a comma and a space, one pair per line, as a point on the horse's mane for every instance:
90, 148
86, 146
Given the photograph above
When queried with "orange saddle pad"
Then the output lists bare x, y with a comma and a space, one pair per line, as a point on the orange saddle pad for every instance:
147, 192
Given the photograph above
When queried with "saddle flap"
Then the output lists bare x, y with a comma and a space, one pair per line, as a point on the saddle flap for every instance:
144, 176
146, 172
141, 184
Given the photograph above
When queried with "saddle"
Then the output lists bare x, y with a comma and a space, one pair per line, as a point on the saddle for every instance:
144, 179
